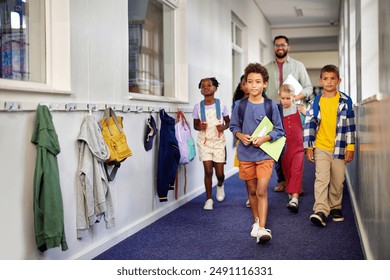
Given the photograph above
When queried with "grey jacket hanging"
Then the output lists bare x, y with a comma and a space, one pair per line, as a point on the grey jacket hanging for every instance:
94, 199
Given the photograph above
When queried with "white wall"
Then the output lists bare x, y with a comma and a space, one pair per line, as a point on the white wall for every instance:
98, 32
368, 185
314, 61
370, 46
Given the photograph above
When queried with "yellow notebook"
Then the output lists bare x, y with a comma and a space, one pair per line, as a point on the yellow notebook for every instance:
273, 149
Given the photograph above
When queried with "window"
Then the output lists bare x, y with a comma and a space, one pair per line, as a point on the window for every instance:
263, 48
151, 47
35, 46
384, 44
238, 33
22, 40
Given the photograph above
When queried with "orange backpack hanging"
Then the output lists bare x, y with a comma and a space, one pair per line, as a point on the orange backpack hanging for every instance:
115, 138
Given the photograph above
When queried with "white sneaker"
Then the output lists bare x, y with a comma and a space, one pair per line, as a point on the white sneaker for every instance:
255, 229
248, 204
208, 204
263, 235
220, 193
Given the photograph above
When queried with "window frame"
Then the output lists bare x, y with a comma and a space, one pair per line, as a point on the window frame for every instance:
180, 71
239, 51
57, 59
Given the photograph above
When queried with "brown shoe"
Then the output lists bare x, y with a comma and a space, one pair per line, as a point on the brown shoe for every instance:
281, 187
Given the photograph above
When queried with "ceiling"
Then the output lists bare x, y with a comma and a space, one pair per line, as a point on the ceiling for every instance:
311, 25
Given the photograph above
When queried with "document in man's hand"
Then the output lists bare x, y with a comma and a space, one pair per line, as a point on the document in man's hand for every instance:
273, 149
297, 86
293, 82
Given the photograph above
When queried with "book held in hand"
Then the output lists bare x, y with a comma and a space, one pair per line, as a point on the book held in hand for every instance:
273, 149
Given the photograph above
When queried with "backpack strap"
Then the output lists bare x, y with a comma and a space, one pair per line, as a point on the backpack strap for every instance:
316, 106
177, 182
111, 175
268, 108
218, 108
218, 112
242, 107
109, 113
180, 117
280, 107
241, 110
202, 111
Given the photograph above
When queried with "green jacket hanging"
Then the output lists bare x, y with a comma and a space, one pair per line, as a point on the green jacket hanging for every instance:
48, 206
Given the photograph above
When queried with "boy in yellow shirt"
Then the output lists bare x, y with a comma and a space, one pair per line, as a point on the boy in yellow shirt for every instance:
329, 138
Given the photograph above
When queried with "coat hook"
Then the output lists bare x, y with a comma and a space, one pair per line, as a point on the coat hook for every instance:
91, 107
70, 106
12, 106
48, 105
126, 108
139, 109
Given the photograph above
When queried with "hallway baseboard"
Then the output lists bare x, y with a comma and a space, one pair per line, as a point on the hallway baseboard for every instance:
359, 223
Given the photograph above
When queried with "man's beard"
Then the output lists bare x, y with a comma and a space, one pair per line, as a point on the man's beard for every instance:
283, 55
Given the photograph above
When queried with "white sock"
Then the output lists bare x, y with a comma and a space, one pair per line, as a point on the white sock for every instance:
294, 200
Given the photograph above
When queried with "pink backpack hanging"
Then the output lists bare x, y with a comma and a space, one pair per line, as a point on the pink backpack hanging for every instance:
184, 138
186, 147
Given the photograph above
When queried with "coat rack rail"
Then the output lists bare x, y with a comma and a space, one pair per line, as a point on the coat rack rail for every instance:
16, 106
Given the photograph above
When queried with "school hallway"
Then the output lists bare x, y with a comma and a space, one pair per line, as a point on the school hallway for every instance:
79, 58
191, 233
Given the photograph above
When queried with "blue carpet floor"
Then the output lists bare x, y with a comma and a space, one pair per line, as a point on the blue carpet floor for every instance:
190, 233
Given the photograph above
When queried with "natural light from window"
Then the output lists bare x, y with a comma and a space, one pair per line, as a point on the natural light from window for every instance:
151, 51
22, 40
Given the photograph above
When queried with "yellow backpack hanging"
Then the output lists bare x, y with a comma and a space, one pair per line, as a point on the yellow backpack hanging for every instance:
115, 138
